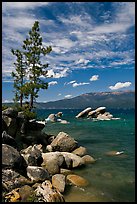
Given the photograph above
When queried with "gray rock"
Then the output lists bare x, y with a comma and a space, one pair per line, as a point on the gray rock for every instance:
11, 158
87, 159
36, 173
52, 118
63, 142
4, 125
58, 181
76, 160
84, 112
52, 161
92, 114
11, 125
80, 151
47, 193
10, 112
101, 110
7, 139
13, 180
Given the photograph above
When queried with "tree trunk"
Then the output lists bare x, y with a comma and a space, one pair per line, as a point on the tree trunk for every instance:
21, 99
31, 101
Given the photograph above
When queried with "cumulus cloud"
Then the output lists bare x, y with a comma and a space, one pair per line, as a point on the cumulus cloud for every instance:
80, 84
68, 96
62, 73
52, 83
82, 61
120, 85
94, 78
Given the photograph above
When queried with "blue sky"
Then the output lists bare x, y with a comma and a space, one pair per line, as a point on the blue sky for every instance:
93, 45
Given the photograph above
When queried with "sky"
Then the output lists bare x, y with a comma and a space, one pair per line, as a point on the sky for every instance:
93, 46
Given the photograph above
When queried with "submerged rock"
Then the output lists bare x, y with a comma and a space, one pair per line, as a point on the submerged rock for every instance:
77, 180
87, 159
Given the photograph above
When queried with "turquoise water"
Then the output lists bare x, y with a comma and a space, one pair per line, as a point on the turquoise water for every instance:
111, 178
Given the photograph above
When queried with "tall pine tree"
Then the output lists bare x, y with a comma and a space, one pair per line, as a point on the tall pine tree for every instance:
33, 50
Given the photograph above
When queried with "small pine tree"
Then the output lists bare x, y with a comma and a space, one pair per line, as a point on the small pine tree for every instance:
18, 76
33, 50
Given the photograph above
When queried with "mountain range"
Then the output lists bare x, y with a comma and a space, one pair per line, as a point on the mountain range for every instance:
119, 99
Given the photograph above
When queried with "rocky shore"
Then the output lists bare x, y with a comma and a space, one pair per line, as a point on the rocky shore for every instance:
37, 167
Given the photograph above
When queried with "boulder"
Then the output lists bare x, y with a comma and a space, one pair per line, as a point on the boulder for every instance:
87, 159
103, 117
11, 158
65, 171
4, 125
80, 151
10, 112
101, 110
76, 180
47, 193
64, 143
35, 126
36, 173
11, 124
84, 112
77, 161
52, 118
27, 194
59, 114
92, 114
7, 139
52, 161
58, 181
13, 180
35, 157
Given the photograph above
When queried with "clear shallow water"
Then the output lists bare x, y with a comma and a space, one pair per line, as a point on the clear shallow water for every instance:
111, 179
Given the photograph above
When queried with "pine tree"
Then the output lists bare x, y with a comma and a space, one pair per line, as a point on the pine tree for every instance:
18, 76
33, 50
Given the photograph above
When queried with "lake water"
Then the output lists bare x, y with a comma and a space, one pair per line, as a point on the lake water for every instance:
111, 178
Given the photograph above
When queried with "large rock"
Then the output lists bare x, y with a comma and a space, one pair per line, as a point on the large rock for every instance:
87, 159
52, 118
36, 173
76, 160
84, 112
4, 125
101, 110
64, 143
47, 193
11, 179
77, 180
7, 139
52, 161
80, 151
11, 125
58, 181
92, 114
11, 158
10, 112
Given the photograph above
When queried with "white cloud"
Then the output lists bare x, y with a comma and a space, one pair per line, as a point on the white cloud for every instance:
80, 84
94, 78
68, 96
71, 82
52, 83
82, 61
59, 94
62, 73
22, 5
120, 85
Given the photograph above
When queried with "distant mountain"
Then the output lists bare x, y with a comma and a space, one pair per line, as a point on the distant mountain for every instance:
121, 99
